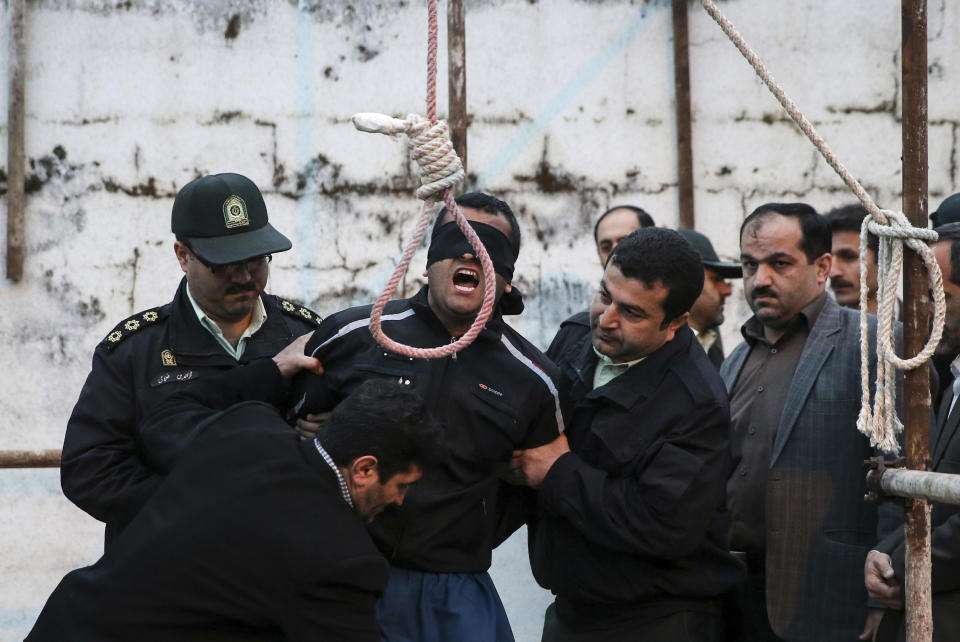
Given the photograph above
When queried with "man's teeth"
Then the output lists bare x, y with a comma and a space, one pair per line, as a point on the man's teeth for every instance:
466, 280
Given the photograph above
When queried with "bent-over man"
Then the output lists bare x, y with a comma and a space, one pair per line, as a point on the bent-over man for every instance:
255, 534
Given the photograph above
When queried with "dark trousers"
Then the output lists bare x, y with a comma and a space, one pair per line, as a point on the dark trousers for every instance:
682, 626
754, 624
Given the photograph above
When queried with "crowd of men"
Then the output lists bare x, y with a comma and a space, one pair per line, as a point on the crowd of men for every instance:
266, 474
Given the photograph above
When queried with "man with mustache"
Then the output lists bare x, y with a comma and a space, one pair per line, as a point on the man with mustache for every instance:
631, 526
219, 318
845, 225
706, 314
796, 496
492, 397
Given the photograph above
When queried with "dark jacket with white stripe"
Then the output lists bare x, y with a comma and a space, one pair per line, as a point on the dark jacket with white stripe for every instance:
492, 397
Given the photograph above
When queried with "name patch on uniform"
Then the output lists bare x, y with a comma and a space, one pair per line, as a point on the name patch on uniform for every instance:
173, 376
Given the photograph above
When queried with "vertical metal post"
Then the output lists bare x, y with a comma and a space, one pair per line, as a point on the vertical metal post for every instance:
457, 70
681, 74
16, 161
916, 313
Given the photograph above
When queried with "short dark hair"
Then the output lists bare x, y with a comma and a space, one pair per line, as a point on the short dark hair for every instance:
387, 420
654, 255
490, 205
644, 219
951, 232
849, 218
815, 240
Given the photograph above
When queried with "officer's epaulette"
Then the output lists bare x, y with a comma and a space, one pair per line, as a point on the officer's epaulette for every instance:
300, 312
131, 326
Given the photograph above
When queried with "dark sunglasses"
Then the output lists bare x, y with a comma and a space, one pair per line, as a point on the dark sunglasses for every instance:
253, 266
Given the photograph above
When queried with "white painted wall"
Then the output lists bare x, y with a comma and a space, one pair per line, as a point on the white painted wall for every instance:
571, 107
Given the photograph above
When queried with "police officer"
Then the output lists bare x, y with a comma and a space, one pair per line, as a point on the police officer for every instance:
219, 318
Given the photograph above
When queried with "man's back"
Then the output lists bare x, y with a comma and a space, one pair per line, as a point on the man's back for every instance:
247, 539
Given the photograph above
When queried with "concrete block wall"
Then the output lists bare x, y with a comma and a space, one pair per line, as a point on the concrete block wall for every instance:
571, 111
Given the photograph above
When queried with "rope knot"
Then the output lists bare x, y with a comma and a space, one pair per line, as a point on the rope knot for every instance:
440, 167
896, 225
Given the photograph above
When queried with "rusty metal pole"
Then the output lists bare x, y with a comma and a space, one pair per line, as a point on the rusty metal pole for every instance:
29, 458
681, 80
916, 312
457, 71
16, 161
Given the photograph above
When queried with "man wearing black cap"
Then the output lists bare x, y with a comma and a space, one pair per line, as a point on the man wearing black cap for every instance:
492, 397
948, 212
219, 318
706, 315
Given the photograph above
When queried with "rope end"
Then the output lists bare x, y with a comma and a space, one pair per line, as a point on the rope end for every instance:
374, 123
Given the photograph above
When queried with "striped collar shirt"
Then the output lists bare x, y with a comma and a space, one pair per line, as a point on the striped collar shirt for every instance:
344, 491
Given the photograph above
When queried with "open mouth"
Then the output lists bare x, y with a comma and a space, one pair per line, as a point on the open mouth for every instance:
466, 280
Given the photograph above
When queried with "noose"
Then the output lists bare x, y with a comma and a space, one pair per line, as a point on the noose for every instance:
880, 422
440, 171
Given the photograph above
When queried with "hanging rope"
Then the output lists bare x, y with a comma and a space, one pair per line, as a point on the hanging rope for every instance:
880, 422
440, 170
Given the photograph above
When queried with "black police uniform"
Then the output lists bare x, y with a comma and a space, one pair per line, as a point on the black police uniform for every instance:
105, 469
494, 396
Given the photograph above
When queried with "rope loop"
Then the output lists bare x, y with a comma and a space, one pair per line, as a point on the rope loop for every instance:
894, 230
440, 170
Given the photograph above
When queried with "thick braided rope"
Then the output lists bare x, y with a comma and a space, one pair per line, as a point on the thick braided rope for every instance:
440, 170
880, 423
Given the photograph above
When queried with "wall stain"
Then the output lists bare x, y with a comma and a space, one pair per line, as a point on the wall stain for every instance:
146, 189
233, 27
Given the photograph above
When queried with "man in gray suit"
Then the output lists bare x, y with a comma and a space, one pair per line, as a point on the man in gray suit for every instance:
884, 568
796, 497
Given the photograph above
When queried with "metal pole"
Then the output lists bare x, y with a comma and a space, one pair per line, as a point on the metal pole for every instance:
934, 487
681, 76
916, 312
16, 163
29, 458
457, 71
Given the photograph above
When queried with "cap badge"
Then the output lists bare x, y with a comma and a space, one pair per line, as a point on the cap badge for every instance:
235, 212
167, 358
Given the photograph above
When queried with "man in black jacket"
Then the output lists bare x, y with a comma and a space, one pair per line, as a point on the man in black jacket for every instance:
255, 534
492, 397
631, 528
219, 318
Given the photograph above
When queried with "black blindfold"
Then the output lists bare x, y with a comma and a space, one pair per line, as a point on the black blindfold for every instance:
450, 243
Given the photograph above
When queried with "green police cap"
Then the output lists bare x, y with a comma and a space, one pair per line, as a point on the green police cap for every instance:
224, 219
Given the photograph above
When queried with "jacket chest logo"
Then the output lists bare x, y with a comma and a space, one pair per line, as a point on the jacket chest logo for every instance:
167, 358
490, 390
